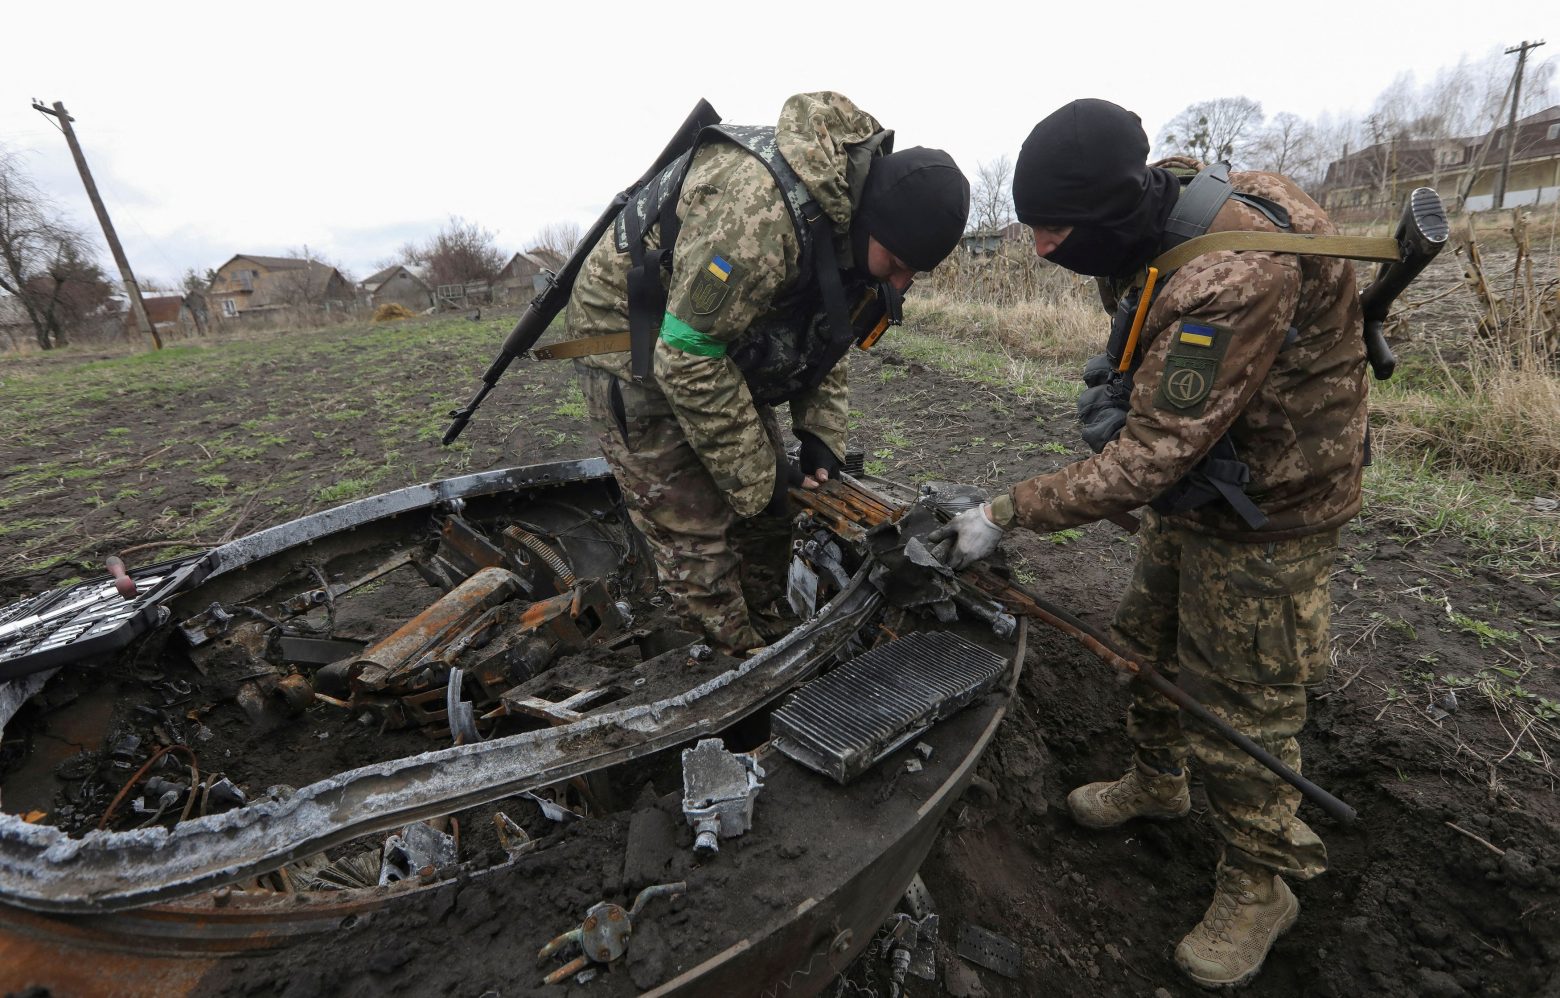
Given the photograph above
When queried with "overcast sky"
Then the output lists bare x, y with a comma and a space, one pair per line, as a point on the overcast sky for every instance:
219, 128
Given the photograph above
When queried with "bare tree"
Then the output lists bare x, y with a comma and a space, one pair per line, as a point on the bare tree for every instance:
1213, 130
459, 253
1287, 145
991, 197
70, 290
556, 242
318, 281
44, 262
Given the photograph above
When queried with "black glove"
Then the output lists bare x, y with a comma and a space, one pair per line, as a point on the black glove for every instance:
1102, 412
816, 454
786, 475
1098, 370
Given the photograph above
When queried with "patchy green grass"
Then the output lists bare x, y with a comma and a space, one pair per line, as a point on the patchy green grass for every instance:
572, 406
199, 439
1493, 513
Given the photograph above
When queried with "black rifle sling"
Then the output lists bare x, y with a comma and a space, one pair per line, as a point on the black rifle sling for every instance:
832, 290
654, 204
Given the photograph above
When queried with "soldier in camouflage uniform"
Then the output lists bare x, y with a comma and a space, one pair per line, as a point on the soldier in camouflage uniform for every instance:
696, 447
1267, 348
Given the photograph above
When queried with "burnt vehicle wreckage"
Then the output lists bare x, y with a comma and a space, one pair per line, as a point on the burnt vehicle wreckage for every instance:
474, 686
489, 657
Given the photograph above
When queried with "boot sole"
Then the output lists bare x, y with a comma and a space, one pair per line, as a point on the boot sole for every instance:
1282, 926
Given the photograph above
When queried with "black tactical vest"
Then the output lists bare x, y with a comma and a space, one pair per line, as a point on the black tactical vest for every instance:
792, 348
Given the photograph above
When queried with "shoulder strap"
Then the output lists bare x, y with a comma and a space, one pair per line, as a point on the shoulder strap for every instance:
1353, 247
1198, 202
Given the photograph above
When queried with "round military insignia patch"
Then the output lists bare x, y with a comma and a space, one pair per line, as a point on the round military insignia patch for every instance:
1187, 380
1186, 386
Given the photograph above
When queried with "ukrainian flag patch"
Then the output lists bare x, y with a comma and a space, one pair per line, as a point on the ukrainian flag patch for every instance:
711, 285
1196, 335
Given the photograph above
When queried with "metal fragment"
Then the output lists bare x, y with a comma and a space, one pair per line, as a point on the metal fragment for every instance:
990, 950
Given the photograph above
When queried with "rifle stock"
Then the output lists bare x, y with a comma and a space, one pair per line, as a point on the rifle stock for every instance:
545, 307
1421, 232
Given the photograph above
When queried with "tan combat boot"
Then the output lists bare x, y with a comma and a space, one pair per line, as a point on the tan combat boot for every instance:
1250, 909
1142, 793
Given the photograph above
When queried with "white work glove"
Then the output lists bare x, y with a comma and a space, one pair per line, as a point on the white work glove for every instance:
966, 539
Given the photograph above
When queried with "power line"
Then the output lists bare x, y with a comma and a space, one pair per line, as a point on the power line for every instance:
137, 306
1521, 52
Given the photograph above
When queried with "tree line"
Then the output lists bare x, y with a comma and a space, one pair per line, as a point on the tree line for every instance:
1461, 101
47, 272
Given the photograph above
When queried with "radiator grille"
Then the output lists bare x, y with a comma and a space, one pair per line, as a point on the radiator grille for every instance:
844, 722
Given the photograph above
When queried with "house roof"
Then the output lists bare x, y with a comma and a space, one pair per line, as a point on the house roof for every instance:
530, 262
1418, 157
376, 280
379, 277
274, 262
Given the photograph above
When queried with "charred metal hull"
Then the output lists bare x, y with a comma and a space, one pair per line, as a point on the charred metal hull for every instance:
179, 948
150, 911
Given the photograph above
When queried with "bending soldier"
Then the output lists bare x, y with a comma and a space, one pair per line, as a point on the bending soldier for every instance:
775, 230
1241, 420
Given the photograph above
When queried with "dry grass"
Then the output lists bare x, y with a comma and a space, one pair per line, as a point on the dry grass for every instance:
1493, 411
1012, 302
1496, 408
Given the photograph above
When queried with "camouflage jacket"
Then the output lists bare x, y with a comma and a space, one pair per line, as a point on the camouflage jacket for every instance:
1215, 359
737, 261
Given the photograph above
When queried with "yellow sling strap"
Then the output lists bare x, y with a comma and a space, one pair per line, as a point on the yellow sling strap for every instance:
584, 347
1354, 247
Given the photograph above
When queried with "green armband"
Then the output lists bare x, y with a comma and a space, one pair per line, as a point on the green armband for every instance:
677, 333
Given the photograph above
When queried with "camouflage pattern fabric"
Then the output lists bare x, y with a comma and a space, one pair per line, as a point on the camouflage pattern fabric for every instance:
735, 220
711, 564
1244, 627
1295, 413
696, 456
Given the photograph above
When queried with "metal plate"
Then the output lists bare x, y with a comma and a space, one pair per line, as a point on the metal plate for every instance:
987, 949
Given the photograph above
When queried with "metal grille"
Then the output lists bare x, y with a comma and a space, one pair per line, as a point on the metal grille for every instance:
843, 723
87, 619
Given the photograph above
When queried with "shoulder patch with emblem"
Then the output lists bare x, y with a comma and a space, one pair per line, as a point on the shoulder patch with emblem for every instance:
1192, 366
711, 285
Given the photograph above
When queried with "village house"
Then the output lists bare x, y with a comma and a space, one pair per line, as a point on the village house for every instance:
169, 313
399, 286
1380, 176
522, 275
248, 284
984, 242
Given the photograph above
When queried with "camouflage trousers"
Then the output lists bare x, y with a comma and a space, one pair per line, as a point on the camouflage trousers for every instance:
1243, 628
713, 566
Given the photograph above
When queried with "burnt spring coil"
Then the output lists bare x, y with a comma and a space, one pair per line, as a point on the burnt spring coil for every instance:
549, 557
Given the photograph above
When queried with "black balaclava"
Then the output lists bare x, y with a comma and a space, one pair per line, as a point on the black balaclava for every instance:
1084, 166
915, 203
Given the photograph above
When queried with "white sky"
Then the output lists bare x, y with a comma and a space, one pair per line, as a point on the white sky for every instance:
258, 127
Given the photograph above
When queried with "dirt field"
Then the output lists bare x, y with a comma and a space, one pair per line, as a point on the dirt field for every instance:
143, 454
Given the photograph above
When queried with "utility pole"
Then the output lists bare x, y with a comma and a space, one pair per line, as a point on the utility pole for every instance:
137, 306
1511, 123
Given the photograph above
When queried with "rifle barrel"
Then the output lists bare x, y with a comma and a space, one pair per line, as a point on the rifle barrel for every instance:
545, 307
